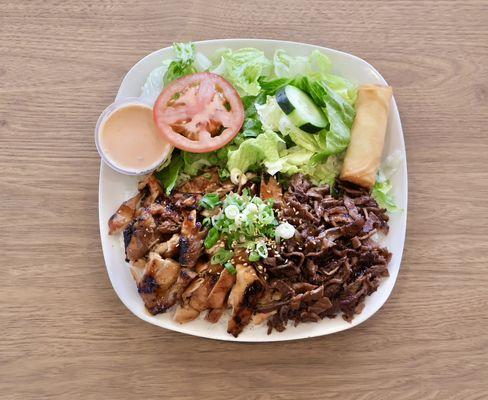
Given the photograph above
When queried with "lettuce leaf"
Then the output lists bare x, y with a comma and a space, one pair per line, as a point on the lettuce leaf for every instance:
338, 111
243, 68
193, 163
382, 188
270, 87
154, 83
270, 114
286, 66
264, 148
382, 194
291, 161
168, 176
309, 141
325, 171
342, 86
183, 62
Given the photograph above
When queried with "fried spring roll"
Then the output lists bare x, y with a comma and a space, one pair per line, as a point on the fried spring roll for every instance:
363, 156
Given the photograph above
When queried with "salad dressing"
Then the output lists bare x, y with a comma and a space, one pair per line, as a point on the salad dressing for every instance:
130, 139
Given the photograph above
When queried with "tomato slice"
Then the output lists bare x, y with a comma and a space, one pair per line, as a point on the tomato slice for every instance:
199, 113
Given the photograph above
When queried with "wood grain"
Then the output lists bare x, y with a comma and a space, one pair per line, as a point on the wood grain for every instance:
65, 334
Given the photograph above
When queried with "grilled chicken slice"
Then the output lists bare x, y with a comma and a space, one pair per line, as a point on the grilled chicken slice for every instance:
202, 266
185, 313
124, 214
185, 277
169, 220
199, 298
270, 190
169, 248
194, 299
152, 186
208, 182
158, 277
216, 298
191, 240
214, 315
243, 298
140, 237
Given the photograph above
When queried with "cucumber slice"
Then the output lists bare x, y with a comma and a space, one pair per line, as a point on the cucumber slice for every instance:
301, 110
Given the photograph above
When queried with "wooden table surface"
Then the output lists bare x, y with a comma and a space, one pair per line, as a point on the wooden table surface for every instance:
65, 334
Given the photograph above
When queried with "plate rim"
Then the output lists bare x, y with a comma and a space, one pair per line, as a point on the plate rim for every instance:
359, 319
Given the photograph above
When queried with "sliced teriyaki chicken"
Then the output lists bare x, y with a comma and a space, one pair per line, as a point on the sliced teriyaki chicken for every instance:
154, 189
214, 315
217, 297
194, 299
206, 183
185, 277
140, 237
155, 282
191, 240
169, 248
124, 214
168, 219
184, 313
243, 298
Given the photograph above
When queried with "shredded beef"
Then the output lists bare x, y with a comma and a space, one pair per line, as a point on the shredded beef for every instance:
332, 262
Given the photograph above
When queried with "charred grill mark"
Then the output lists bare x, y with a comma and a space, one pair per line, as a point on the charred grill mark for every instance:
148, 285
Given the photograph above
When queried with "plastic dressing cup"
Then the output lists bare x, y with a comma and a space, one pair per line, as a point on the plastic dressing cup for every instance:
127, 138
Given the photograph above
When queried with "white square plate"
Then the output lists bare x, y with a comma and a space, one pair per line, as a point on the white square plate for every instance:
114, 188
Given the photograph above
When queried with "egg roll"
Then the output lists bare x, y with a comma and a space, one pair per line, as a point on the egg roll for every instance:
363, 156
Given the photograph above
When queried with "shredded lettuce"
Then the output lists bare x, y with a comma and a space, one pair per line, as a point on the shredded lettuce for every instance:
268, 139
168, 176
264, 148
193, 163
183, 62
243, 68
382, 194
286, 66
291, 161
270, 114
325, 171
382, 188
270, 87
154, 82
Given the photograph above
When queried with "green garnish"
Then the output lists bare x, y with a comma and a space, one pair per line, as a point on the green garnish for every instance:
221, 256
244, 221
210, 200
253, 256
229, 267
212, 238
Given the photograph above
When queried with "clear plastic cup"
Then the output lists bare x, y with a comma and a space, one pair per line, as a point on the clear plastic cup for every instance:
98, 129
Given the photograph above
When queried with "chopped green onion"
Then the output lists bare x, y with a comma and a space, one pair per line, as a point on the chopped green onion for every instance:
261, 249
221, 256
229, 267
232, 211
253, 256
266, 216
212, 238
207, 222
251, 208
285, 231
210, 200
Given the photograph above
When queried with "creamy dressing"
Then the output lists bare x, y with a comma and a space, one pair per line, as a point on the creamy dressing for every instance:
130, 139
